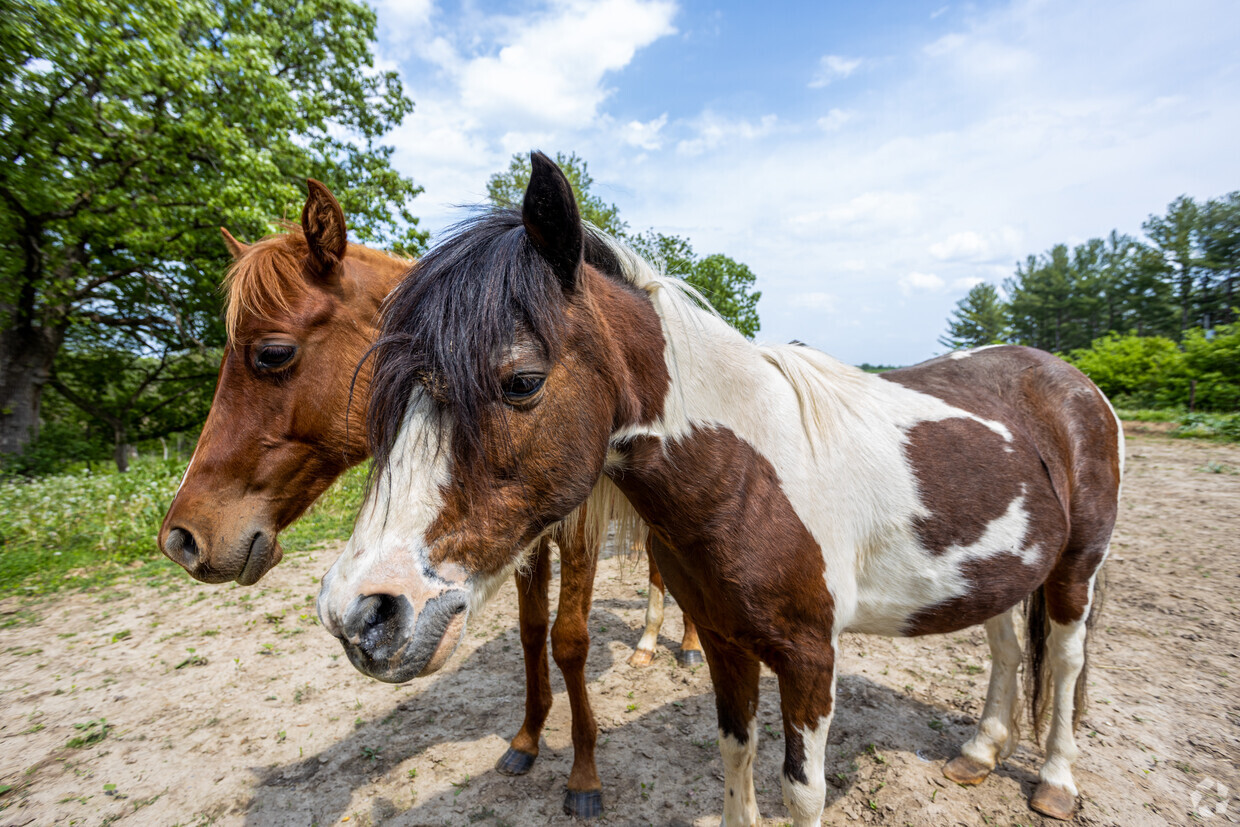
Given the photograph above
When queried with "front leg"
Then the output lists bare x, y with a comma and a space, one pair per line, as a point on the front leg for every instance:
533, 583
807, 700
570, 644
734, 672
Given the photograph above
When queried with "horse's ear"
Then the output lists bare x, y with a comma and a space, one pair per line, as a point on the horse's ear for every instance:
551, 218
322, 222
235, 248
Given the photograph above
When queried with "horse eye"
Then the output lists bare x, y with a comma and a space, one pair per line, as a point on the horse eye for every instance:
522, 386
274, 356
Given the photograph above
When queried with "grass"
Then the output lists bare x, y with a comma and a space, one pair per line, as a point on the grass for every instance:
1212, 426
85, 529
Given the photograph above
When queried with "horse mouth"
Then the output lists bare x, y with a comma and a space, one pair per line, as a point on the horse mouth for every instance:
425, 652
261, 557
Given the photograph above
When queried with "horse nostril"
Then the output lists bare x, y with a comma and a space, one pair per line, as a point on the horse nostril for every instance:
182, 548
374, 622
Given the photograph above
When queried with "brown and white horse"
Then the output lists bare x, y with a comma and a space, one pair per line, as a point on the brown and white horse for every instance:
302, 312
791, 497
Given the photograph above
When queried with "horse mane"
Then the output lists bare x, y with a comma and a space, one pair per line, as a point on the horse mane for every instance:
261, 281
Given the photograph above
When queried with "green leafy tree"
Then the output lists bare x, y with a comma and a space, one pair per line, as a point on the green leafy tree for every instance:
507, 189
1140, 370
980, 318
1213, 361
1176, 237
130, 131
1220, 248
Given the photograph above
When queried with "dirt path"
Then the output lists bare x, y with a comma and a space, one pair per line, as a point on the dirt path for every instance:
230, 706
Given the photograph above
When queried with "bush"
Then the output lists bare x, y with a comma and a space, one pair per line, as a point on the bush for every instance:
1135, 371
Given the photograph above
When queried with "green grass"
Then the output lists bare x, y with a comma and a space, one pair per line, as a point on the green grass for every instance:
1219, 427
87, 528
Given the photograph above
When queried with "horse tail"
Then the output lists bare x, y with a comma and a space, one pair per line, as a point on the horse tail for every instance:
1037, 676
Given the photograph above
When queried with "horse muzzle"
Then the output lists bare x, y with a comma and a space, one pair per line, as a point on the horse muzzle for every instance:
254, 554
386, 638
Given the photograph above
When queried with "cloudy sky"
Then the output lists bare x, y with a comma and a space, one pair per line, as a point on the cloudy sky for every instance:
869, 161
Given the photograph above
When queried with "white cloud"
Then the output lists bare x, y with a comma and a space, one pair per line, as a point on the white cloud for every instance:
403, 18
644, 135
914, 282
816, 300
834, 119
714, 130
994, 245
966, 282
551, 73
833, 67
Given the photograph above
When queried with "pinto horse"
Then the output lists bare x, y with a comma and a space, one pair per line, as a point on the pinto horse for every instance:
790, 497
301, 314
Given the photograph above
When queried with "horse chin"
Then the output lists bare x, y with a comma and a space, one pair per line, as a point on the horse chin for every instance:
411, 660
264, 553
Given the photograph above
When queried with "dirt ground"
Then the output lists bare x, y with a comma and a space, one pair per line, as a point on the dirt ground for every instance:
231, 706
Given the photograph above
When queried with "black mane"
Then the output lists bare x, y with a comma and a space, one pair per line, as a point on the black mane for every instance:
459, 307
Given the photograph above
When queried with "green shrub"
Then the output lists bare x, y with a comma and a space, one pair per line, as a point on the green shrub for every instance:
1135, 371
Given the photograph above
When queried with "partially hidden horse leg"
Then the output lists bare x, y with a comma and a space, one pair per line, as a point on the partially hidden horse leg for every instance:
1056, 792
998, 732
533, 583
644, 653
690, 653
570, 643
734, 673
807, 701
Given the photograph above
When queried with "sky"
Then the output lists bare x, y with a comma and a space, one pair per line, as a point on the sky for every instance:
869, 161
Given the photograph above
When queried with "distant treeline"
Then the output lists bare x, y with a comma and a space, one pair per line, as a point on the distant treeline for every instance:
1151, 319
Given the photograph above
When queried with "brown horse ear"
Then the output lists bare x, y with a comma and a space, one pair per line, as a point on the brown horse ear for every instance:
322, 222
552, 221
235, 248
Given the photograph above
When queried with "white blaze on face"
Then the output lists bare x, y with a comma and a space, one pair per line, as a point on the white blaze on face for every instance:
387, 550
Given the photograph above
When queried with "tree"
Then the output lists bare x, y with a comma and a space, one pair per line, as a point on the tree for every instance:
725, 283
507, 189
1176, 238
1220, 248
980, 318
130, 131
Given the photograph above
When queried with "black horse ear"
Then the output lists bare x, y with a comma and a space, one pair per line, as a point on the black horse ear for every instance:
550, 215
323, 223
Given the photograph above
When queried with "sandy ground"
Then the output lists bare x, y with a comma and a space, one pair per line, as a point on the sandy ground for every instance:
231, 706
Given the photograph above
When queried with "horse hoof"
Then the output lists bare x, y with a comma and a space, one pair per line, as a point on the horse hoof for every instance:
515, 762
1053, 801
641, 658
689, 657
585, 804
965, 771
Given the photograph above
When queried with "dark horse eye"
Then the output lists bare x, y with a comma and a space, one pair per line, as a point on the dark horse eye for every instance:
522, 386
274, 356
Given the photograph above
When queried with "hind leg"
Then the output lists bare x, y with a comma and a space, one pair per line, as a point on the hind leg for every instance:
997, 731
690, 653
1056, 793
644, 654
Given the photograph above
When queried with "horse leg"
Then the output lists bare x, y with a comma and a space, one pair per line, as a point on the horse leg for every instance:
533, 583
734, 672
644, 653
1056, 792
690, 653
570, 643
807, 701
998, 730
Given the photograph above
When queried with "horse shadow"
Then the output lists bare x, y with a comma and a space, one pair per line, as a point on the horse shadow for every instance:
670, 748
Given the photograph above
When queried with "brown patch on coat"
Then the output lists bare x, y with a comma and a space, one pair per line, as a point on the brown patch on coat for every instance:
739, 560
1057, 414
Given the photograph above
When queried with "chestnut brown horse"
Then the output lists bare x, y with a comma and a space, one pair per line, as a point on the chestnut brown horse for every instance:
302, 311
791, 497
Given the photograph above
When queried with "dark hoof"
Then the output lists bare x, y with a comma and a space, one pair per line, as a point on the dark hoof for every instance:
588, 804
515, 762
689, 657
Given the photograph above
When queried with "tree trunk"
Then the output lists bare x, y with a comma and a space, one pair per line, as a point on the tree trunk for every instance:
121, 452
26, 356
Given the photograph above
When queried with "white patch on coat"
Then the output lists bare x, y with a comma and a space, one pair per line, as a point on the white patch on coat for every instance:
965, 354
388, 541
740, 803
805, 801
998, 731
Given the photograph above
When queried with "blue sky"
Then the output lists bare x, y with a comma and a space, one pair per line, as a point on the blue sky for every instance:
869, 161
